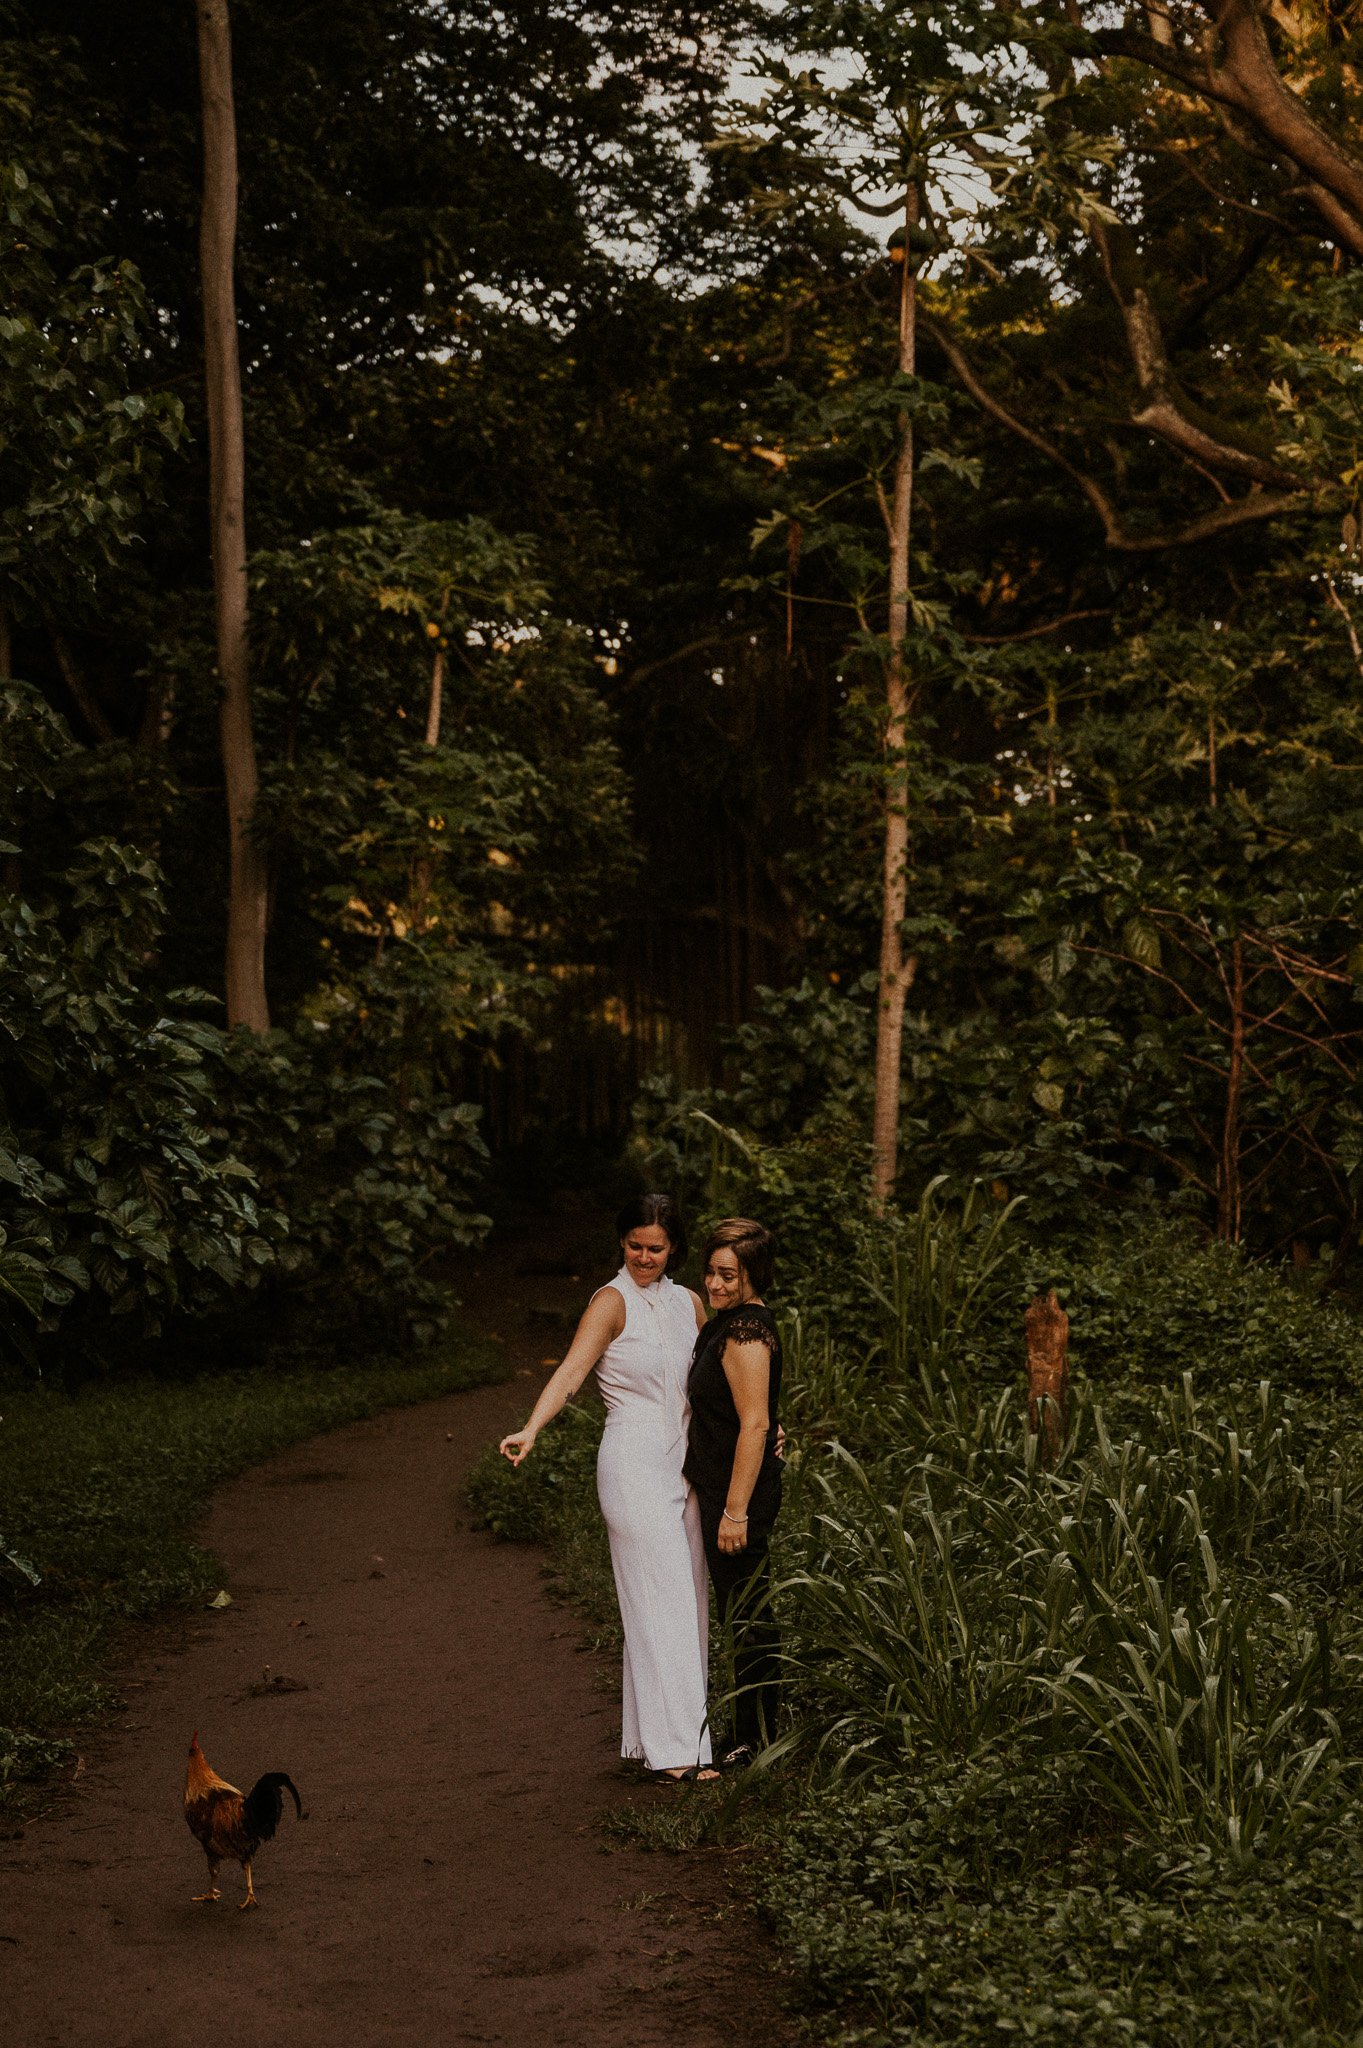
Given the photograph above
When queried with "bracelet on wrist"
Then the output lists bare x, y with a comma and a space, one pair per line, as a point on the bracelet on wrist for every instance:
740, 1519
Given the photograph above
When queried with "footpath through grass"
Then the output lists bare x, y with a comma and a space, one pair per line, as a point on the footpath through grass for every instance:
1073, 1756
99, 1493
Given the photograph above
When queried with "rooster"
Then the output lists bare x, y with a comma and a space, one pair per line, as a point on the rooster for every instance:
232, 1823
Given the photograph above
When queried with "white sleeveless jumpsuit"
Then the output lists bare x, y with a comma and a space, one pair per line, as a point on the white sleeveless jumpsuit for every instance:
654, 1525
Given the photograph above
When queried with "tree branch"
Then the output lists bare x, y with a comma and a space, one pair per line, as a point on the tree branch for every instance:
1036, 632
1165, 409
1247, 80
1252, 510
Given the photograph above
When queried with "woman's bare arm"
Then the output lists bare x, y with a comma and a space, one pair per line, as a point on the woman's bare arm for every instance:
602, 1321
747, 1368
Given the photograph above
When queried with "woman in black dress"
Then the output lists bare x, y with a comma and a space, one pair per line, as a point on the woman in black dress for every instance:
732, 1462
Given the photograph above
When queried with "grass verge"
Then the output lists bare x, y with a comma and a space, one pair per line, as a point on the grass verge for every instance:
98, 1494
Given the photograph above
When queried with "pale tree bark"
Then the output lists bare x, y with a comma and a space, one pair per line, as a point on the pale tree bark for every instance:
436, 701
896, 968
248, 884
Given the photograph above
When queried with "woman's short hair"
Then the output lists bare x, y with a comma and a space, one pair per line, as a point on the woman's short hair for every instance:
655, 1211
751, 1244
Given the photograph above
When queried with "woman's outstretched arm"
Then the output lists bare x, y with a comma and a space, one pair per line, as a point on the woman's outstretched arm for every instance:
747, 1368
602, 1321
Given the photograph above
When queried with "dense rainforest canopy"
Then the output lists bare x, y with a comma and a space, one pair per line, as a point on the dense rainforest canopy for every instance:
632, 396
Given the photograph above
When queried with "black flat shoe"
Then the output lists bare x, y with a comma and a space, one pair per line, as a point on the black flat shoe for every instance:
694, 1774
737, 1759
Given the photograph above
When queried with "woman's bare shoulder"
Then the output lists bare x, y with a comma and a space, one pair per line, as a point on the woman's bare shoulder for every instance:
698, 1305
605, 1309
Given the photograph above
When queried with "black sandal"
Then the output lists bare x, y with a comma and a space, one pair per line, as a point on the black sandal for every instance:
691, 1775
737, 1759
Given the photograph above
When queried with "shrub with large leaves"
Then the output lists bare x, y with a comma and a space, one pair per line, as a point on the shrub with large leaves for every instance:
116, 1197
375, 1178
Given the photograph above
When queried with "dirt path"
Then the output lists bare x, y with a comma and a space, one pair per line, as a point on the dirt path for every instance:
454, 1749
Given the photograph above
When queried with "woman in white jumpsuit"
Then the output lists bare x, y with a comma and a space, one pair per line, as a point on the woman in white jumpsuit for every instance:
639, 1332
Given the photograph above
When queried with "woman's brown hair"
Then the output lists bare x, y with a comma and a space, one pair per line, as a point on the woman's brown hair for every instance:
645, 1211
751, 1244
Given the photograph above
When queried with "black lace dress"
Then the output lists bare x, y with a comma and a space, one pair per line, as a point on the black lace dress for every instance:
740, 1578
712, 1437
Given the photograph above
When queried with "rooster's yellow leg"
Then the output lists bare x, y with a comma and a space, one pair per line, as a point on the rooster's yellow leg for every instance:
207, 1898
250, 1899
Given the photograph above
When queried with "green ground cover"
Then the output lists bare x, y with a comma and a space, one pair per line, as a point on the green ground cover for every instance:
99, 1493
1072, 1754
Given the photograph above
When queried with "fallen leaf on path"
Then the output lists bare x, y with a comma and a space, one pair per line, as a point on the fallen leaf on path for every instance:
220, 1599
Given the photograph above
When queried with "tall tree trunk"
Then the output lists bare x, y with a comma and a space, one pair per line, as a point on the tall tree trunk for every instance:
248, 883
896, 969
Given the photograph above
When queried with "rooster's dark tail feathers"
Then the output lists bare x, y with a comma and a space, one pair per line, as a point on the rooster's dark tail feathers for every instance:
264, 1803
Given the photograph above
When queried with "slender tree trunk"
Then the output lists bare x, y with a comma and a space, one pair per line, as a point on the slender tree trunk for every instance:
1228, 1180
896, 970
248, 890
436, 701
1052, 721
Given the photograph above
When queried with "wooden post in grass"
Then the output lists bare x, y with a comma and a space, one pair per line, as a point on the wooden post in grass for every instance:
1048, 1371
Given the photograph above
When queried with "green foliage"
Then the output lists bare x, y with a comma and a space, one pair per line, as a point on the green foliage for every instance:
527, 1503
429, 881
371, 1182
153, 1165
1087, 1738
785, 1141
83, 444
119, 1200
1150, 1303
955, 1905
